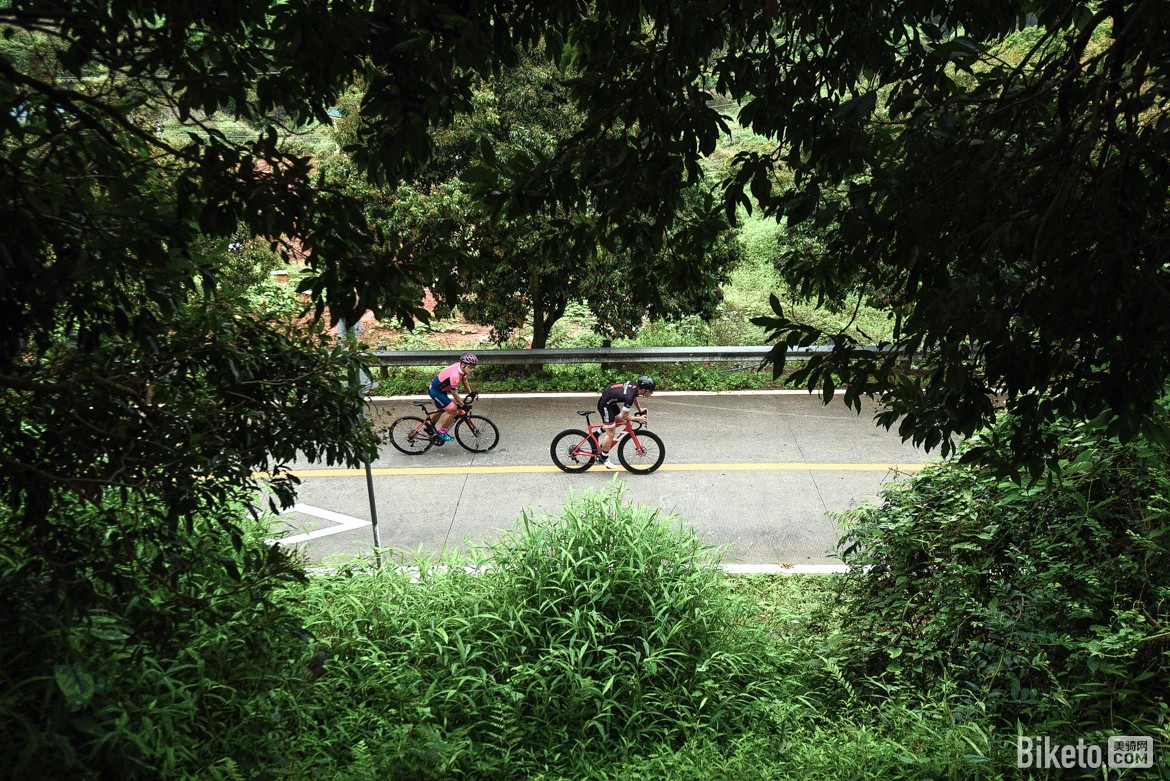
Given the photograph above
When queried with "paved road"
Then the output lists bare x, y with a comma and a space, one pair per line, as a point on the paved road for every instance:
756, 472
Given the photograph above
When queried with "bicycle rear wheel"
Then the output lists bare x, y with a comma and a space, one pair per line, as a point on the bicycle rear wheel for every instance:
571, 450
476, 433
408, 436
645, 456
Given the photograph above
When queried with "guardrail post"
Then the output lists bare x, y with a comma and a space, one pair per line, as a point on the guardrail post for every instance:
605, 345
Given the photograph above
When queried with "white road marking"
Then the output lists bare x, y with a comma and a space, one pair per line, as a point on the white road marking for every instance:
344, 523
784, 569
347, 523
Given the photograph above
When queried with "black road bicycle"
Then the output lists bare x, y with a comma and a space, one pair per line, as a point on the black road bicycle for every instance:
414, 436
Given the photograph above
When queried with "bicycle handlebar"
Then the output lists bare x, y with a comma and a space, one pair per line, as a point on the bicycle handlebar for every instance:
465, 407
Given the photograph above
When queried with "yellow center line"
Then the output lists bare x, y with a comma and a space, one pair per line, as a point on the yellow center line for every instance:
536, 468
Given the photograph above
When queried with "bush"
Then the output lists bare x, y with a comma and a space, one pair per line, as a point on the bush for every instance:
575, 640
586, 378
171, 664
1049, 601
918, 736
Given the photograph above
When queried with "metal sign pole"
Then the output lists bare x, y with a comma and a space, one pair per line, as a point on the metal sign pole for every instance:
367, 383
374, 516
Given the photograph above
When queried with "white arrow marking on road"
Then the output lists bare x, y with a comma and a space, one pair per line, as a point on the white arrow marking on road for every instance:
344, 523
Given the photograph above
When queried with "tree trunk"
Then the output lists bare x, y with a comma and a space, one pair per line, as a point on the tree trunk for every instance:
539, 323
540, 329
544, 316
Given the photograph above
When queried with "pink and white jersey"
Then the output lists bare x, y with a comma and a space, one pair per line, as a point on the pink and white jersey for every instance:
451, 377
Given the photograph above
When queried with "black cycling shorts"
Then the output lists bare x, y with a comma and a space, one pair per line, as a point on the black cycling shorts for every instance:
609, 411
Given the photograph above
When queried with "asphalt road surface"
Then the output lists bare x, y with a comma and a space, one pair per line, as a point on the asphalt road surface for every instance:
755, 473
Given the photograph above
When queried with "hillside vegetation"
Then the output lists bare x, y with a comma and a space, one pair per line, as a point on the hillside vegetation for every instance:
746, 294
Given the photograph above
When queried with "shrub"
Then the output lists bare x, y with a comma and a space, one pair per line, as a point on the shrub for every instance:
599, 633
686, 332
587, 378
172, 664
1048, 600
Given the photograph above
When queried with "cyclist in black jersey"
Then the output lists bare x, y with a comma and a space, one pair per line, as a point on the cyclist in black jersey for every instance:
615, 407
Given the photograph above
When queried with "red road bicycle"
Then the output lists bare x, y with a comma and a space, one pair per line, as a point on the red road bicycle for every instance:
639, 450
414, 436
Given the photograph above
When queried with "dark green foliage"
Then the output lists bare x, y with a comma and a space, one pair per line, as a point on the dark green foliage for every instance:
141, 387
166, 659
1046, 601
135, 594
1002, 188
511, 273
1010, 209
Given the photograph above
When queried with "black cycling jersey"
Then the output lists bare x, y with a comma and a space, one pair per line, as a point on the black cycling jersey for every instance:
614, 398
622, 393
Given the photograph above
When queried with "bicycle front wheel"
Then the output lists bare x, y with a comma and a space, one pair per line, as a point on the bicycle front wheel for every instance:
408, 436
572, 450
476, 433
644, 456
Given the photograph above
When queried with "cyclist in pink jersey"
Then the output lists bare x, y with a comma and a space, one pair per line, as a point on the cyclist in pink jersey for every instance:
447, 382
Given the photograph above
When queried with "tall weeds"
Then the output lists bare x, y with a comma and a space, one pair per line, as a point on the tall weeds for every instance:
604, 632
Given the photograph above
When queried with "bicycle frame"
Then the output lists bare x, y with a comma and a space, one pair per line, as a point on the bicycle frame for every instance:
576, 449
460, 412
595, 430
431, 417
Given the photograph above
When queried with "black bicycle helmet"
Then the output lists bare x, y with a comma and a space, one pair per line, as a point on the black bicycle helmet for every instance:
646, 383
469, 358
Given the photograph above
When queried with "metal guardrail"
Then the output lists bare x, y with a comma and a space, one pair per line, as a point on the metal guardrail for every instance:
386, 358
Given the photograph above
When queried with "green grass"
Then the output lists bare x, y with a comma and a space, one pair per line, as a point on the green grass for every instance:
577, 642
755, 279
312, 139
600, 642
